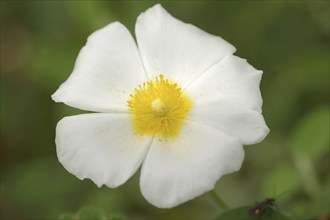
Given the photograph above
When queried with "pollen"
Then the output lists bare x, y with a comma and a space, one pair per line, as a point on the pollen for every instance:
159, 107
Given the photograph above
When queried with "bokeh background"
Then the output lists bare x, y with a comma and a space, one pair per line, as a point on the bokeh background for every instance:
288, 40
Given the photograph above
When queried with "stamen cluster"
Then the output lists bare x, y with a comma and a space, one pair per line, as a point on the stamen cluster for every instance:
159, 107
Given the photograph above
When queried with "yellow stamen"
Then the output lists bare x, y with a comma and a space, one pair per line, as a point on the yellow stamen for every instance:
159, 107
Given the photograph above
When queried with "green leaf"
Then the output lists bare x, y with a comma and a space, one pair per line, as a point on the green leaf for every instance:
271, 214
244, 213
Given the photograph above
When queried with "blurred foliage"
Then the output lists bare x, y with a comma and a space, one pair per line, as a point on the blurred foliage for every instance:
91, 213
288, 40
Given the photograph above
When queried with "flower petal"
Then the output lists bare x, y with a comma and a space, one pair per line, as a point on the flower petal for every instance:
232, 80
247, 125
107, 70
179, 170
101, 147
178, 50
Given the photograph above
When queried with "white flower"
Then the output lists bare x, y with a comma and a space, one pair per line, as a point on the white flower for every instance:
177, 103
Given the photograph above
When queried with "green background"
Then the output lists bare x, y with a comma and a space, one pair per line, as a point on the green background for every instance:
288, 40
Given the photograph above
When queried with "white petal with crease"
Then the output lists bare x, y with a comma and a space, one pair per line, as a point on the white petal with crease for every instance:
179, 170
101, 147
232, 80
247, 125
107, 70
178, 50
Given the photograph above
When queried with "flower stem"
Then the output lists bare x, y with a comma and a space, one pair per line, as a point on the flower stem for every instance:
223, 205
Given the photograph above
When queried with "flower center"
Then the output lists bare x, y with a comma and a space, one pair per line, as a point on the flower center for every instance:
159, 107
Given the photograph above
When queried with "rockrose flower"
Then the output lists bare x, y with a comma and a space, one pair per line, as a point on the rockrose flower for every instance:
178, 103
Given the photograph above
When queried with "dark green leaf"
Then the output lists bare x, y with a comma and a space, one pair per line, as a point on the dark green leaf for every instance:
244, 213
